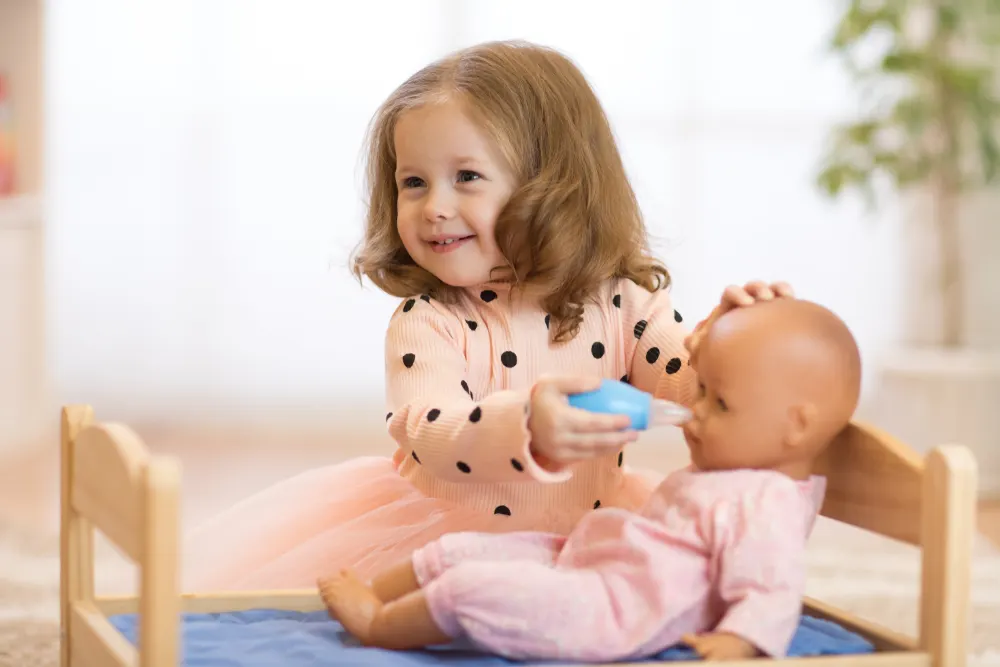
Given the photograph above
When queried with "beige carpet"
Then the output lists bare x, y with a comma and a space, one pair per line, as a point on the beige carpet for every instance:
867, 575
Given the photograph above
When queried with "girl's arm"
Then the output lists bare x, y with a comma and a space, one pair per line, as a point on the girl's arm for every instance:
653, 334
433, 417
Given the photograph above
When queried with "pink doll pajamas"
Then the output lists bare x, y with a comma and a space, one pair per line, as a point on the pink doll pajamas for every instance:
718, 551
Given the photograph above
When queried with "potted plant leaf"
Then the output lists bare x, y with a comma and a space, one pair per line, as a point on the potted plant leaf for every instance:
927, 74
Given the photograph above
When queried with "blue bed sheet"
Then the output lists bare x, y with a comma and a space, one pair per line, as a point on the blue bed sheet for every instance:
263, 637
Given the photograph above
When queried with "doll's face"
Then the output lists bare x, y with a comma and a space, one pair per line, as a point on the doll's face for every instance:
742, 416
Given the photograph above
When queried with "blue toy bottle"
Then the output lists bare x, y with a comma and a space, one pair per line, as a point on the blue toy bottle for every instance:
619, 398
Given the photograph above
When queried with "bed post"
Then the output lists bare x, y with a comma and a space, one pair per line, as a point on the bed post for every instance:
159, 594
949, 526
76, 535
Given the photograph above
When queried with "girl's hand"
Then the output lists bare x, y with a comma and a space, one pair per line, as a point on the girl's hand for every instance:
562, 434
735, 297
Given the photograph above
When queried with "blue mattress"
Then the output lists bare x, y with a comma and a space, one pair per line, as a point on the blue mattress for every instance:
263, 637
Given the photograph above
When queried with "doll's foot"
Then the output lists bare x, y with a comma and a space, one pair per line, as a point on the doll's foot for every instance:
350, 602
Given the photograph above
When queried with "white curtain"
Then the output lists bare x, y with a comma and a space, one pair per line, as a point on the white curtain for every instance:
204, 181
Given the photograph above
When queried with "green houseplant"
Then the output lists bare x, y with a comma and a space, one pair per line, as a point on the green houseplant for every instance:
928, 75
927, 71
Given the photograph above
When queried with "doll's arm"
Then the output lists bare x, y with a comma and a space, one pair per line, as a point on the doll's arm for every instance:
762, 571
433, 417
653, 335
721, 646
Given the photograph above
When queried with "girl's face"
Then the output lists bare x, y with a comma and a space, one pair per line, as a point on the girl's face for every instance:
452, 182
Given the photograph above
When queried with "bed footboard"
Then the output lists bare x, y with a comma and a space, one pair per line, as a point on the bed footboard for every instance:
111, 483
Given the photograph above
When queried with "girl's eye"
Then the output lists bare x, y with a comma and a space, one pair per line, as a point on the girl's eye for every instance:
722, 405
466, 176
412, 182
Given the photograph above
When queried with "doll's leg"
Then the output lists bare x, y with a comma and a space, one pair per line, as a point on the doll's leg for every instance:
525, 610
403, 624
449, 550
517, 609
396, 581
428, 563
503, 591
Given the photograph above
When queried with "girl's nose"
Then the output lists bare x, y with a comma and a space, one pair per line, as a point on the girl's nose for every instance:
440, 206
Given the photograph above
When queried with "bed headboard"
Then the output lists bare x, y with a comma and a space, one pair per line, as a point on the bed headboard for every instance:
877, 483
874, 482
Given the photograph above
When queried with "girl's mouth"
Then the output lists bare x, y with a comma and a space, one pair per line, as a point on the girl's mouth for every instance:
450, 244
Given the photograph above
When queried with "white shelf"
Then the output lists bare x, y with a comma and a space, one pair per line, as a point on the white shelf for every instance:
20, 212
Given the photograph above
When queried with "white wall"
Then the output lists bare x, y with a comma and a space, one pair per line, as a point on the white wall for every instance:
203, 178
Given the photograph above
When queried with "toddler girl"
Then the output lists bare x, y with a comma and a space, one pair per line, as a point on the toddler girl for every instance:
501, 215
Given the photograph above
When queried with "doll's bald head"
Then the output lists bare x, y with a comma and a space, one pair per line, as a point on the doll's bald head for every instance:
779, 380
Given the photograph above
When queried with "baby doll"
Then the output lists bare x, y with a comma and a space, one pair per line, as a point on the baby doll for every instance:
716, 558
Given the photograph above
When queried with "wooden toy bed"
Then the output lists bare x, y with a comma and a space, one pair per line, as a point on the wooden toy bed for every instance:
112, 483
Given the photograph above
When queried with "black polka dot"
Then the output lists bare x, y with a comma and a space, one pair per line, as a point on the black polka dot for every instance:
473, 325
548, 318
597, 503
625, 379
415, 457
640, 326
388, 416
433, 415
516, 465
487, 295
508, 359
463, 466
677, 317
621, 458
502, 509
465, 386
408, 305
408, 359
476, 414
617, 300
426, 298
652, 354
597, 349
673, 366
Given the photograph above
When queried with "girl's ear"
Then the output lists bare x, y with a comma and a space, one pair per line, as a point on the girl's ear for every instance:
801, 418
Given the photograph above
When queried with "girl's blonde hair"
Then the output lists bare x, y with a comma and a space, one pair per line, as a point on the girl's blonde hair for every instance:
572, 223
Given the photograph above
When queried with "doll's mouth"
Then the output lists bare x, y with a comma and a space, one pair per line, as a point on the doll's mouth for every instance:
692, 440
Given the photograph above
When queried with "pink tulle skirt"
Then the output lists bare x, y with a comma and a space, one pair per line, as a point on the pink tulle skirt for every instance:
359, 514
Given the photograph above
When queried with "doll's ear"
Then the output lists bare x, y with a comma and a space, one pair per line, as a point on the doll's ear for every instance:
801, 418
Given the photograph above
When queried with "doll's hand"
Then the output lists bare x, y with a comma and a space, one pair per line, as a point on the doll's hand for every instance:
735, 297
720, 646
562, 434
